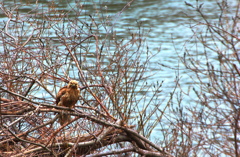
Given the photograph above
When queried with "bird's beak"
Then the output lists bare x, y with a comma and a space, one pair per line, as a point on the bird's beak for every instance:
73, 85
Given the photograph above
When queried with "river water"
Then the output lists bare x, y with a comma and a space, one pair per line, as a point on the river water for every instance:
166, 22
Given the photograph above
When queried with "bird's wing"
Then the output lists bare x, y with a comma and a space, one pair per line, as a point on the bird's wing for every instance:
61, 92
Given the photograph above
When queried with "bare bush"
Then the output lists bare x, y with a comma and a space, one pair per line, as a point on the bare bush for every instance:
45, 48
209, 124
118, 109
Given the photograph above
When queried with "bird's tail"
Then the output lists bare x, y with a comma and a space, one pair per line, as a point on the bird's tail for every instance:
64, 118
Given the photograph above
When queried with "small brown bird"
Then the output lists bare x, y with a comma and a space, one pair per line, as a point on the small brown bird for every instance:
67, 97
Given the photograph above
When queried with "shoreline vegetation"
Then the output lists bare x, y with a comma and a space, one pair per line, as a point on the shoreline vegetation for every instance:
115, 114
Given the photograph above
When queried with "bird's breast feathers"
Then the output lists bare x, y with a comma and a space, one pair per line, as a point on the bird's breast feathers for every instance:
70, 97
72, 94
